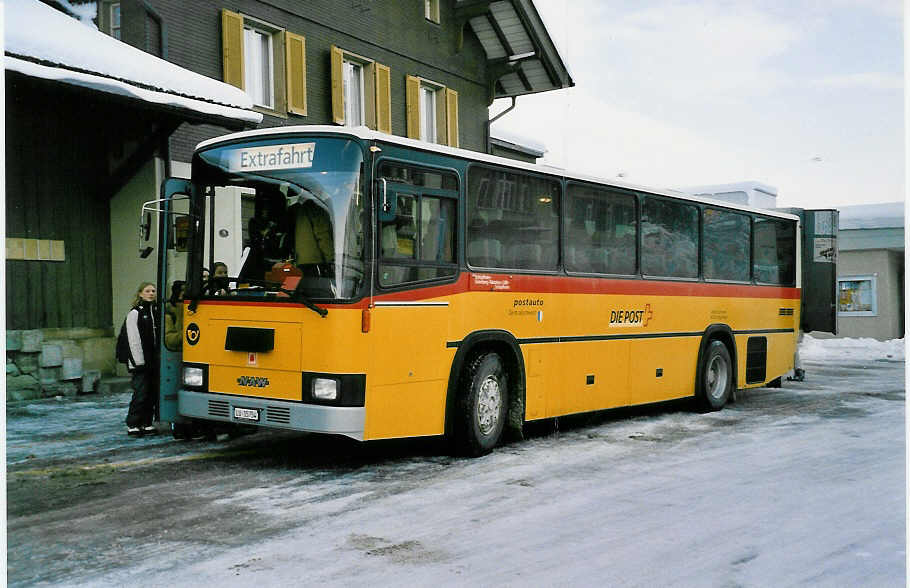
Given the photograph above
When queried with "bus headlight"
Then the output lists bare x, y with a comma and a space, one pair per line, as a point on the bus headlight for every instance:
193, 377
325, 389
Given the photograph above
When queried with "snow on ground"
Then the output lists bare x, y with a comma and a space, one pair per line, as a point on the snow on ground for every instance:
848, 349
802, 485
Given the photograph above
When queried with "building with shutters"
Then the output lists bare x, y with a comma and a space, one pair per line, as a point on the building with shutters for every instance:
425, 69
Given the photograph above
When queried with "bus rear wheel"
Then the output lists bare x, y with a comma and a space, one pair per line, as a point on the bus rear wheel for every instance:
716, 383
482, 405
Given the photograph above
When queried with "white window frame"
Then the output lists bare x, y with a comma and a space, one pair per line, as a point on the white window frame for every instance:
356, 67
438, 92
252, 67
873, 279
116, 32
428, 107
431, 10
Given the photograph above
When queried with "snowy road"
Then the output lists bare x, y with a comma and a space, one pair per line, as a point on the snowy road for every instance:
802, 485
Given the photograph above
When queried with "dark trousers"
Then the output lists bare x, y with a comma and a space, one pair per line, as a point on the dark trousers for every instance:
142, 405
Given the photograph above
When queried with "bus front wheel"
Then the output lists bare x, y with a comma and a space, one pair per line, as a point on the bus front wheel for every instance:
716, 383
482, 405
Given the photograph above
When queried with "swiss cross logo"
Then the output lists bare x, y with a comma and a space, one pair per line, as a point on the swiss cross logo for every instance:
251, 358
648, 314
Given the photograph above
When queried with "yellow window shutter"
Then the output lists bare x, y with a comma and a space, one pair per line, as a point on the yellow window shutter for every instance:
383, 98
232, 47
413, 103
295, 49
452, 117
337, 85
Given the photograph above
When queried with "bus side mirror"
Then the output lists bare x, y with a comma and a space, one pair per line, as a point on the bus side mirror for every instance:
145, 226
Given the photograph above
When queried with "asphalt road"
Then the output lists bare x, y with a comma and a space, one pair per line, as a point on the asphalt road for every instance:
803, 485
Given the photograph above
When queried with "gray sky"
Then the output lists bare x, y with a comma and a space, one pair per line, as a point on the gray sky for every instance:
803, 95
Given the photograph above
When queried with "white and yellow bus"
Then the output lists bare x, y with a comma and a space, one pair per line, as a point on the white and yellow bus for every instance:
381, 287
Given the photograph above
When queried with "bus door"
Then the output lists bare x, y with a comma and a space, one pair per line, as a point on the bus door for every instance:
173, 251
416, 249
819, 269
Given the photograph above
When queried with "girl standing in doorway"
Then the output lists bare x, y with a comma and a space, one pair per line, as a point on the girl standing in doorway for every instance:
142, 328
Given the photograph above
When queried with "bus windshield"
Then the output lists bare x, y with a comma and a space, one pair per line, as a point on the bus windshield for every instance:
301, 208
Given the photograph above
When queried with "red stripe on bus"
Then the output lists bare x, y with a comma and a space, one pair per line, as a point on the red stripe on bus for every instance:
529, 284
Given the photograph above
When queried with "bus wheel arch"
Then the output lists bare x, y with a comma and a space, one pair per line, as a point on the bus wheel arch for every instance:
483, 343
710, 354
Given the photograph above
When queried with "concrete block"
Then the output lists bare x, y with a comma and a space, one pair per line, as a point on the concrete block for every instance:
13, 340
59, 389
26, 362
72, 369
11, 369
90, 381
22, 388
31, 341
71, 348
51, 355
48, 375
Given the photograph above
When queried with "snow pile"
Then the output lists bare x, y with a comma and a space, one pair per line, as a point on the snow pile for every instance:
851, 349
84, 52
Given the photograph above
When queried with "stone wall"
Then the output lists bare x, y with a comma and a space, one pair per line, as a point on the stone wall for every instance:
57, 362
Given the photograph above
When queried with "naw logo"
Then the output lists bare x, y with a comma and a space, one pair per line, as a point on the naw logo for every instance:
631, 317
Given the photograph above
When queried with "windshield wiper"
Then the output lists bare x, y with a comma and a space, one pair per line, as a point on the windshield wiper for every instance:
297, 295
271, 286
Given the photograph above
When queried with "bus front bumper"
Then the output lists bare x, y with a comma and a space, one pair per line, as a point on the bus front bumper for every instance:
296, 416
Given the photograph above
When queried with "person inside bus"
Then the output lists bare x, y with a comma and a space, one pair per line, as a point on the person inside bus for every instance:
313, 240
173, 317
218, 285
268, 232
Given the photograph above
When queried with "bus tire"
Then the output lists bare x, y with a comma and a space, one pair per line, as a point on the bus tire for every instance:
482, 405
716, 385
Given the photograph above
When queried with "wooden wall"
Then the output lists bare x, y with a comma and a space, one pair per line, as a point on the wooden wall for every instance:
56, 163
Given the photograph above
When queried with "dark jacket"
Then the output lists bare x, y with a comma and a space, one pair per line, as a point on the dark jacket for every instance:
141, 328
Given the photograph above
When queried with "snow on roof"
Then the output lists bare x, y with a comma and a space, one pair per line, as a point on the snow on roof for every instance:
872, 216
71, 52
734, 187
519, 141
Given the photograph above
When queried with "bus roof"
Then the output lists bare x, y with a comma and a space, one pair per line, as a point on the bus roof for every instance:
370, 135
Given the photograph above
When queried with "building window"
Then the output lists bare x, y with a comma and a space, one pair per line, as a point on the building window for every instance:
857, 296
431, 10
428, 113
432, 112
268, 63
115, 20
354, 115
258, 66
361, 91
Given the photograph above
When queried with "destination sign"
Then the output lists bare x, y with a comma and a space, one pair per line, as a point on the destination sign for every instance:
272, 157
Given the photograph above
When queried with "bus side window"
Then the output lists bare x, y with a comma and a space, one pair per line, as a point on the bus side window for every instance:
726, 248
670, 239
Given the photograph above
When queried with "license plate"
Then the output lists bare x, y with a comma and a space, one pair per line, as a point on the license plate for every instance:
246, 414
